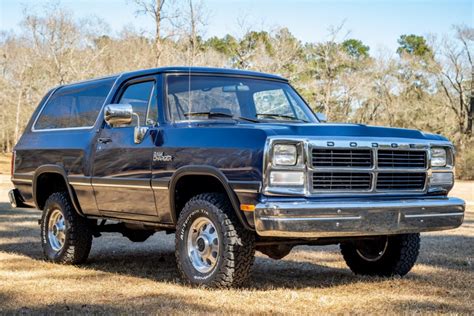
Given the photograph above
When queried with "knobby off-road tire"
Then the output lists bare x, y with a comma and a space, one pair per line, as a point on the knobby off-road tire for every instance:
236, 245
74, 233
397, 258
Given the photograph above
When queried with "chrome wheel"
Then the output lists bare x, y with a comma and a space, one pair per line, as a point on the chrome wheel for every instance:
203, 245
372, 250
56, 230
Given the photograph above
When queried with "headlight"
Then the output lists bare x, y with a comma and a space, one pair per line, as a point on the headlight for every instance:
438, 157
286, 178
284, 155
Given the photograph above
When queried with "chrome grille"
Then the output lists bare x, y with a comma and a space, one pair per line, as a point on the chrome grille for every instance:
401, 181
401, 158
342, 181
370, 168
342, 158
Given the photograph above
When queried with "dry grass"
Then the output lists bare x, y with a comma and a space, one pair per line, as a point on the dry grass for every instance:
5, 163
123, 277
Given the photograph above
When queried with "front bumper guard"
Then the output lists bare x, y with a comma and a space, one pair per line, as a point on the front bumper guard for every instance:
311, 219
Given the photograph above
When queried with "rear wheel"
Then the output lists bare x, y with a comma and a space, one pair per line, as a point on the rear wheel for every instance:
65, 236
212, 247
382, 256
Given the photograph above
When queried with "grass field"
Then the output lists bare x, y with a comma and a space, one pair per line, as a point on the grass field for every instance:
125, 277
5, 163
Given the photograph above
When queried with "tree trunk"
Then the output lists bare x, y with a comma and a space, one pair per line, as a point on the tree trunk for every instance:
158, 48
470, 113
17, 116
3, 133
193, 32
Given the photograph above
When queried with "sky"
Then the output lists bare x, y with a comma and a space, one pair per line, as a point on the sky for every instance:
377, 23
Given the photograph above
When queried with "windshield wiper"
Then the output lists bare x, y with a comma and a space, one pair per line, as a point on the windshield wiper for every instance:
281, 115
221, 114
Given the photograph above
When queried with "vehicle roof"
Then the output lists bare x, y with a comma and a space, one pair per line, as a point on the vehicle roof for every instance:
180, 69
207, 70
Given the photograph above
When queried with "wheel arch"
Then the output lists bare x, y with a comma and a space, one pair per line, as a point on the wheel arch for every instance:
56, 172
208, 171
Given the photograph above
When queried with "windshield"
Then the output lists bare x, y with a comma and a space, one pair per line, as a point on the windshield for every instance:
198, 97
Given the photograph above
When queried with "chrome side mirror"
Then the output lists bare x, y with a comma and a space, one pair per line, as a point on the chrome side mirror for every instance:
121, 115
118, 114
322, 118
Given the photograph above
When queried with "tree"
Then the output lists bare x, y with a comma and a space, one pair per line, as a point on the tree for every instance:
356, 48
455, 70
414, 45
193, 20
225, 45
160, 13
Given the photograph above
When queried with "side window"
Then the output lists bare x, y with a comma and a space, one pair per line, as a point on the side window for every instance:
272, 102
142, 97
76, 105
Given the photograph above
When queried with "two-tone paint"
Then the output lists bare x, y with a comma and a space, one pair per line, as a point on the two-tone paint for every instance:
110, 176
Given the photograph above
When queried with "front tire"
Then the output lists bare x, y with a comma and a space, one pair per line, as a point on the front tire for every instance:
65, 236
383, 256
212, 247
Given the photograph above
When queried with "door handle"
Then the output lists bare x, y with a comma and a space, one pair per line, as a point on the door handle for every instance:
104, 140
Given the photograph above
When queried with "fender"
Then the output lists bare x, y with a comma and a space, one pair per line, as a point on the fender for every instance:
61, 171
206, 171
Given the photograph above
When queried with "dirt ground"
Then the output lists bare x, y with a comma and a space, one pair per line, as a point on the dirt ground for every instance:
125, 277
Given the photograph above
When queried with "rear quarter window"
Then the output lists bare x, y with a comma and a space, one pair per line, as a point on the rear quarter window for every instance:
77, 105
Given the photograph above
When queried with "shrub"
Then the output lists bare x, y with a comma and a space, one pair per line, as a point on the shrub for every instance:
465, 163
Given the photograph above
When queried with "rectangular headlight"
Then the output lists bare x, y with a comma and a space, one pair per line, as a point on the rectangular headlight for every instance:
287, 178
284, 155
438, 157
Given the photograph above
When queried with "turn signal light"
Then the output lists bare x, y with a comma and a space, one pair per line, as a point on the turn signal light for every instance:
247, 207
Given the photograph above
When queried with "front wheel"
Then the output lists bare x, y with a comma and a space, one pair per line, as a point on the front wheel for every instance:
212, 247
383, 255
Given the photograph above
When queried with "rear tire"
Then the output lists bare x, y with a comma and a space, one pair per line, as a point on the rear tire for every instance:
384, 256
65, 236
212, 247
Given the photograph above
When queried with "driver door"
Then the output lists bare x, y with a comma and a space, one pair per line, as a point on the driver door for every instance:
122, 168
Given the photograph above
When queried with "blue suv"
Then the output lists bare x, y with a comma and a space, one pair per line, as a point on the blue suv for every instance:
231, 162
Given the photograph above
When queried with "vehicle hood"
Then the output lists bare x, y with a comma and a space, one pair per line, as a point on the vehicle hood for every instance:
346, 130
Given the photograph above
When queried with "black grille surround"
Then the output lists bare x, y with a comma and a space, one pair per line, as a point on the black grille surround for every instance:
387, 158
345, 158
342, 181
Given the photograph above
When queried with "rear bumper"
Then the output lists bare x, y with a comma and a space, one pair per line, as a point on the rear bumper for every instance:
15, 198
310, 219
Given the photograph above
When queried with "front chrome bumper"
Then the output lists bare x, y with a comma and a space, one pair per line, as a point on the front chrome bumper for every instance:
357, 217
